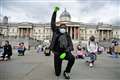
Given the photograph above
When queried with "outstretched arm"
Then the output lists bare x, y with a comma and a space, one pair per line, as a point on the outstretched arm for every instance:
53, 20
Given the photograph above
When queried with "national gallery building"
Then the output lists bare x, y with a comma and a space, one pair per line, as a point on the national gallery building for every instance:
77, 30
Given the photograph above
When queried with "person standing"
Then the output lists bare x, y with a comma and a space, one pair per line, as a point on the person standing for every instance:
61, 43
7, 50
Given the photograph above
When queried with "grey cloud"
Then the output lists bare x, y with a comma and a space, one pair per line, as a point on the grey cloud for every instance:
31, 10
41, 11
116, 21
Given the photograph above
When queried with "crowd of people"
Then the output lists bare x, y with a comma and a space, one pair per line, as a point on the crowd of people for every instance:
114, 49
89, 53
6, 50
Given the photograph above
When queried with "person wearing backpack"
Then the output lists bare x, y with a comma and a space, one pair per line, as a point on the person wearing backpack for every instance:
92, 48
61, 43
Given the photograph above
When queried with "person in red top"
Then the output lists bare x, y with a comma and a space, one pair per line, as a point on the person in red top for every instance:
80, 52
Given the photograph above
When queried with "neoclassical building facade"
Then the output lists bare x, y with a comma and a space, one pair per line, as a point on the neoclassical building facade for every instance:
77, 30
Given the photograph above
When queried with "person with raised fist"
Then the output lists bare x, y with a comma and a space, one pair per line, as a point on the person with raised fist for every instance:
61, 46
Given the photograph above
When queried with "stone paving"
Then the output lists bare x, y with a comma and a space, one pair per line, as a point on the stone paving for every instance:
34, 66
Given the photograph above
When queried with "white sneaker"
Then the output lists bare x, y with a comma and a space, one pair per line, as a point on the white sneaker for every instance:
91, 65
66, 75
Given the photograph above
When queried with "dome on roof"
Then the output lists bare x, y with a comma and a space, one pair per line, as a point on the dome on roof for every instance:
5, 20
65, 16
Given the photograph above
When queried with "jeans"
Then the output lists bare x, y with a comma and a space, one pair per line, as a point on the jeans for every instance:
93, 57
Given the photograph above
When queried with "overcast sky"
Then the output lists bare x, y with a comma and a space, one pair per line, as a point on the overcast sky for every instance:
87, 11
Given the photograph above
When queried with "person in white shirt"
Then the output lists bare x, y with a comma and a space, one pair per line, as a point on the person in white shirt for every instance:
92, 48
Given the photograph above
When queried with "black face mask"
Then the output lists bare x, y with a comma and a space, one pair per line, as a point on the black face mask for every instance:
92, 39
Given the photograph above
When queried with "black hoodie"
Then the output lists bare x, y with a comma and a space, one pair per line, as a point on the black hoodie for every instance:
56, 34
8, 49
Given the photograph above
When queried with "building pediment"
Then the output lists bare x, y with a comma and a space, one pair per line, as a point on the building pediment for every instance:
104, 28
25, 24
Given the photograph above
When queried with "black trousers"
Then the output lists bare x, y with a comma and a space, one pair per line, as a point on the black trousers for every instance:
58, 63
8, 55
21, 52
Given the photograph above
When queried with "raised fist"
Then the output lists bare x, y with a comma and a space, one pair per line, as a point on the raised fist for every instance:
56, 8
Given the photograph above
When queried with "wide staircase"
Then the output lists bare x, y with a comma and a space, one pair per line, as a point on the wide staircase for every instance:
29, 42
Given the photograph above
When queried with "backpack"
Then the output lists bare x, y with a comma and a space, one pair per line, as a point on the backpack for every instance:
63, 41
94, 43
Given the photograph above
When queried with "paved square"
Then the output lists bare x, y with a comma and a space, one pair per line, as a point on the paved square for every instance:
35, 66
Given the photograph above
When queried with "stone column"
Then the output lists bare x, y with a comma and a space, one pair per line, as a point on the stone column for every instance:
18, 32
111, 34
67, 29
75, 33
78, 33
31, 33
108, 36
85, 34
71, 32
98, 34
101, 35
22, 32
26, 31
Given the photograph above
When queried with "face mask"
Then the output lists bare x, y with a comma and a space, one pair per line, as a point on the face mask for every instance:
62, 30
